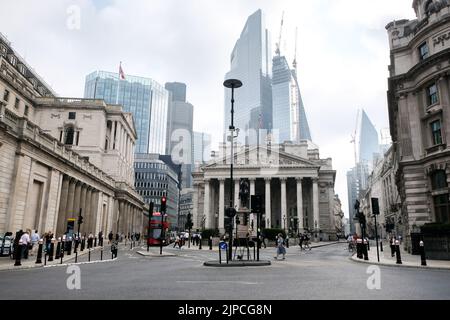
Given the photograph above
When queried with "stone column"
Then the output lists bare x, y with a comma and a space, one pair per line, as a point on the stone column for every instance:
236, 194
87, 211
284, 215
70, 199
94, 212
316, 204
61, 224
300, 205
222, 205
195, 213
268, 204
120, 223
84, 188
207, 205
76, 201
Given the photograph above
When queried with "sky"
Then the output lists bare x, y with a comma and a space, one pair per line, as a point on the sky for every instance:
342, 54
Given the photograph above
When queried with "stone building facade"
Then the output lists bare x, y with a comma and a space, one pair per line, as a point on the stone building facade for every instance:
419, 106
297, 188
60, 156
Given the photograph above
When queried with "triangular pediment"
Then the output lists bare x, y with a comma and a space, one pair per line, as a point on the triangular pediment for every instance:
263, 156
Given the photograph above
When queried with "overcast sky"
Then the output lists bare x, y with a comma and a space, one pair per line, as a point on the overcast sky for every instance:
343, 53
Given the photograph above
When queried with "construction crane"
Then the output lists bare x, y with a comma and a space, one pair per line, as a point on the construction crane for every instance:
294, 63
277, 51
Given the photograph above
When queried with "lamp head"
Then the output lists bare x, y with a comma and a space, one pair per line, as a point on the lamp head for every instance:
232, 83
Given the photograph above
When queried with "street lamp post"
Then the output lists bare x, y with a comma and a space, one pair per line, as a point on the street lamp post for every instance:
232, 84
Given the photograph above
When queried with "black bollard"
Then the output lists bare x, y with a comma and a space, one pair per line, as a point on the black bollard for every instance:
83, 243
62, 250
397, 251
381, 246
39, 254
69, 247
89, 255
359, 248
52, 250
368, 245
76, 256
58, 249
45, 258
18, 253
210, 243
101, 254
95, 242
365, 250
200, 245
423, 257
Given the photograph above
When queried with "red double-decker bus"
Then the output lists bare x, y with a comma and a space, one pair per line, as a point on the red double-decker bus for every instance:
156, 226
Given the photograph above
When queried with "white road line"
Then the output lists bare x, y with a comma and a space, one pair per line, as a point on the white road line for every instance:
216, 281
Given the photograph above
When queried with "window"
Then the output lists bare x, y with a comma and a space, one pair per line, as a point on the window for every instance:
423, 50
16, 104
439, 180
442, 208
72, 115
27, 110
432, 94
436, 132
69, 137
6, 96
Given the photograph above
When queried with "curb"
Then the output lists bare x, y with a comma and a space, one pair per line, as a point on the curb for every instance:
237, 264
79, 263
399, 265
325, 245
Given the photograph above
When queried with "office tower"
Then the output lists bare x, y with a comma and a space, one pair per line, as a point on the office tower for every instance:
289, 116
146, 99
180, 131
367, 142
202, 148
250, 63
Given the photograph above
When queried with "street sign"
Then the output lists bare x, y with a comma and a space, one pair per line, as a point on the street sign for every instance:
223, 246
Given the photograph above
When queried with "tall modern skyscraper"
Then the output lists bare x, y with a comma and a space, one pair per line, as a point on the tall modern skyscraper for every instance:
202, 148
289, 116
250, 63
180, 131
146, 99
367, 143
366, 149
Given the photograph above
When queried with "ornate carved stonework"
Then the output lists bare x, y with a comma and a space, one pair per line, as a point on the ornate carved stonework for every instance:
55, 116
85, 116
440, 39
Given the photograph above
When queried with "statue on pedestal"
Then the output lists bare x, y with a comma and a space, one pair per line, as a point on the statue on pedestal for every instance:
244, 193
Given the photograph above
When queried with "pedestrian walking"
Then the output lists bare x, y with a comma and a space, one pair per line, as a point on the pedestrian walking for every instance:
280, 246
110, 237
301, 239
100, 238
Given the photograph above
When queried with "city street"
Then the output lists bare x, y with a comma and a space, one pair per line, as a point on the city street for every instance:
323, 273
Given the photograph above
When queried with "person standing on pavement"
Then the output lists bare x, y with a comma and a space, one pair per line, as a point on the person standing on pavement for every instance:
100, 238
34, 241
26, 242
280, 247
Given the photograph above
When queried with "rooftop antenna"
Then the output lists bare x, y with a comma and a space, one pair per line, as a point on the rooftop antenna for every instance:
277, 51
294, 63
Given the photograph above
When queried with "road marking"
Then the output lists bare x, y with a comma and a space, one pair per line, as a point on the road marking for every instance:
215, 281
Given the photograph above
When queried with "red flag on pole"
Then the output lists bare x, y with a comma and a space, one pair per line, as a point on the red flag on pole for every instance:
121, 73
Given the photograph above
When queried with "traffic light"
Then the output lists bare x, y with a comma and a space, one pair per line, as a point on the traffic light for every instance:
163, 204
256, 204
375, 206
228, 223
189, 223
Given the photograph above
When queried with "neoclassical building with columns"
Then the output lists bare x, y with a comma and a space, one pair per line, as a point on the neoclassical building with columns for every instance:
297, 188
62, 156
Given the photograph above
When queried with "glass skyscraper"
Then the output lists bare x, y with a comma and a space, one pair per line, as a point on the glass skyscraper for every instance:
250, 63
289, 116
146, 99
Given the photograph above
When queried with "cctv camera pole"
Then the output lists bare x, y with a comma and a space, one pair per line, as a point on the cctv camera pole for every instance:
232, 84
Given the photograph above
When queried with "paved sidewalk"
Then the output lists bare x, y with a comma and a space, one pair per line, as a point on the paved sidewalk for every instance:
8, 264
408, 260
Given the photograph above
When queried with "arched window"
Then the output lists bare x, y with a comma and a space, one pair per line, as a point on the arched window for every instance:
69, 135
